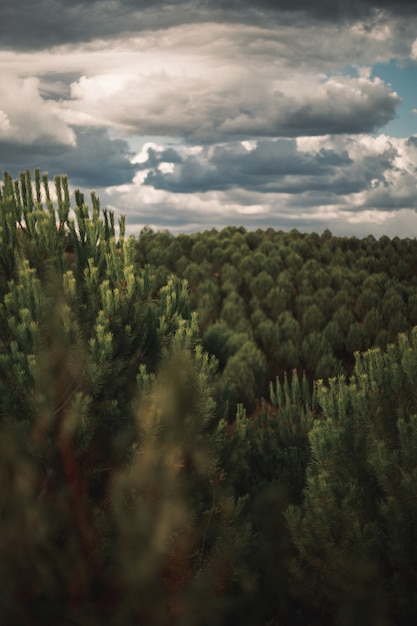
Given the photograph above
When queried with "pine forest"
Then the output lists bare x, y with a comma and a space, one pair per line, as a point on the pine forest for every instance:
202, 429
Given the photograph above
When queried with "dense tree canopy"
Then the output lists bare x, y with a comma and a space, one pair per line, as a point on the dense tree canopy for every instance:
285, 289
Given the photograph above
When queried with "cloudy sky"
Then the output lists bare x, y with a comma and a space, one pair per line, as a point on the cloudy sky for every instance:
189, 115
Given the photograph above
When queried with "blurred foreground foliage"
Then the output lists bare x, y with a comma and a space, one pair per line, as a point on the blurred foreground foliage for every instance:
112, 505
131, 493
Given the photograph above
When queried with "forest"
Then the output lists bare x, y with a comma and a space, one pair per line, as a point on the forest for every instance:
203, 429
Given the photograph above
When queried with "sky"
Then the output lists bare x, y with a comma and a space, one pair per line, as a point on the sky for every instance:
188, 115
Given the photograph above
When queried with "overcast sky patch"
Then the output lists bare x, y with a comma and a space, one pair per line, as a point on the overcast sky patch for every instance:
192, 114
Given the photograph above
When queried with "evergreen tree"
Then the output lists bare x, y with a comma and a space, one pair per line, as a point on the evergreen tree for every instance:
355, 529
112, 505
264, 457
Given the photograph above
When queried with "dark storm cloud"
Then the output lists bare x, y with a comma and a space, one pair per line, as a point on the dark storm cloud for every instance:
273, 166
95, 161
361, 117
322, 9
26, 25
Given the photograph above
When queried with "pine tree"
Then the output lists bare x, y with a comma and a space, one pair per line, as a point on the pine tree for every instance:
355, 529
112, 506
264, 458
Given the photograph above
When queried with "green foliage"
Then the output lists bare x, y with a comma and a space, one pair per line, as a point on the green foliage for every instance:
104, 311
236, 276
264, 457
115, 507
246, 372
355, 529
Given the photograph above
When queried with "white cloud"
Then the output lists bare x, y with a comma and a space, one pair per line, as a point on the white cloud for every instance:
232, 102
382, 167
99, 87
211, 78
4, 121
142, 156
26, 117
190, 213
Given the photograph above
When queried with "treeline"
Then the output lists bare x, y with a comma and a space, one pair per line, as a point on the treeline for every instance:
129, 492
269, 302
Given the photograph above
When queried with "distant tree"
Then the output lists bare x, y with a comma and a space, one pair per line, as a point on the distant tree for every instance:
328, 366
344, 318
392, 303
373, 323
206, 300
266, 336
412, 309
288, 328
231, 278
304, 300
261, 285
277, 300
313, 319
253, 239
200, 252
234, 312
293, 261
366, 301
273, 264
382, 339
215, 341
357, 338
334, 336
194, 274
397, 324
314, 346
246, 371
